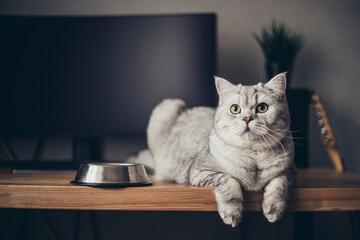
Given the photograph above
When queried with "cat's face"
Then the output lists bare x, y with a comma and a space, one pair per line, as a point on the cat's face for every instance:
252, 114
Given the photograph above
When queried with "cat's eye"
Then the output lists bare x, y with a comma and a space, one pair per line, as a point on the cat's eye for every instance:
262, 107
235, 109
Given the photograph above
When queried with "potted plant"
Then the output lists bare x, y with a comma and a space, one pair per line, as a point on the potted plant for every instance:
280, 45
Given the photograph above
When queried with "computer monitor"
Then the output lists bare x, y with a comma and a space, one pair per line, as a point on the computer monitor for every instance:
100, 75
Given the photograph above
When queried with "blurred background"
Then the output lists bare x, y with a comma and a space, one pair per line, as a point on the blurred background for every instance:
328, 63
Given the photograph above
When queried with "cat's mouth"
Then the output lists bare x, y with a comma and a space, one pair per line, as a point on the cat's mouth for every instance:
249, 134
247, 130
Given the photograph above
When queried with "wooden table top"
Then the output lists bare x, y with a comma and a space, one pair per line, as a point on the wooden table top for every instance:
316, 190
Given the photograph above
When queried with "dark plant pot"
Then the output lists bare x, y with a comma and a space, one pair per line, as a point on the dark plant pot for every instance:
299, 102
274, 68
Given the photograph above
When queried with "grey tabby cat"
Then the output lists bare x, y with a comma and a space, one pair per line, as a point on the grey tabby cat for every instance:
243, 144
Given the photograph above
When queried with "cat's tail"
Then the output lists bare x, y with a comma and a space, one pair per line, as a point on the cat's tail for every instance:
143, 157
162, 119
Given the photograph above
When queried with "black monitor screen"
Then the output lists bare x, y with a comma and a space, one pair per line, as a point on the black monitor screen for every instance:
100, 75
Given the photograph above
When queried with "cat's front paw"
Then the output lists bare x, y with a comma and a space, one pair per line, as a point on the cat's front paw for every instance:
273, 208
231, 214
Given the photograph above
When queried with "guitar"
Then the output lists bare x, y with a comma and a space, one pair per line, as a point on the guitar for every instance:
326, 133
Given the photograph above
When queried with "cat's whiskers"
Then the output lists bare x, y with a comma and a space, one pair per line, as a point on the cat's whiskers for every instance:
263, 134
283, 136
286, 130
277, 140
237, 128
270, 136
286, 138
277, 133
265, 140
271, 142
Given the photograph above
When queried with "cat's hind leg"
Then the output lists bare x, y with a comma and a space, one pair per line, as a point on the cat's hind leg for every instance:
162, 119
143, 157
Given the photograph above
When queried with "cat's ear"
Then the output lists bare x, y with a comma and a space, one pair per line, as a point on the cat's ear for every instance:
278, 84
224, 88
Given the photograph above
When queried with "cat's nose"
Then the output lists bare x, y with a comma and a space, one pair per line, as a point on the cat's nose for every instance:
247, 119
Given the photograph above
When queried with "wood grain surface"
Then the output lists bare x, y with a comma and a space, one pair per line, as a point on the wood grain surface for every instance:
316, 190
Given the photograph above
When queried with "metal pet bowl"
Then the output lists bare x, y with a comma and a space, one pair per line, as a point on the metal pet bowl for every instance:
111, 175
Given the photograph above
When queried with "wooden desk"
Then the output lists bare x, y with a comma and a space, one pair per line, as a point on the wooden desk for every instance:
317, 190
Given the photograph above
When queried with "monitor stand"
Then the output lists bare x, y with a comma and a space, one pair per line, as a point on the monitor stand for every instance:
84, 150
87, 150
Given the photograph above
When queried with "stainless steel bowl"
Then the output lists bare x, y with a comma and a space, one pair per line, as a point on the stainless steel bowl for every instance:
111, 175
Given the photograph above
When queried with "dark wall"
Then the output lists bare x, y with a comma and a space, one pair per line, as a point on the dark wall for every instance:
328, 62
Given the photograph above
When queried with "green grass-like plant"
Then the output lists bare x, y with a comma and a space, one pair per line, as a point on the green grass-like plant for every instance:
280, 45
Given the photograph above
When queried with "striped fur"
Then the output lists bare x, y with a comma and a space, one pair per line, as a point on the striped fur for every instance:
214, 148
